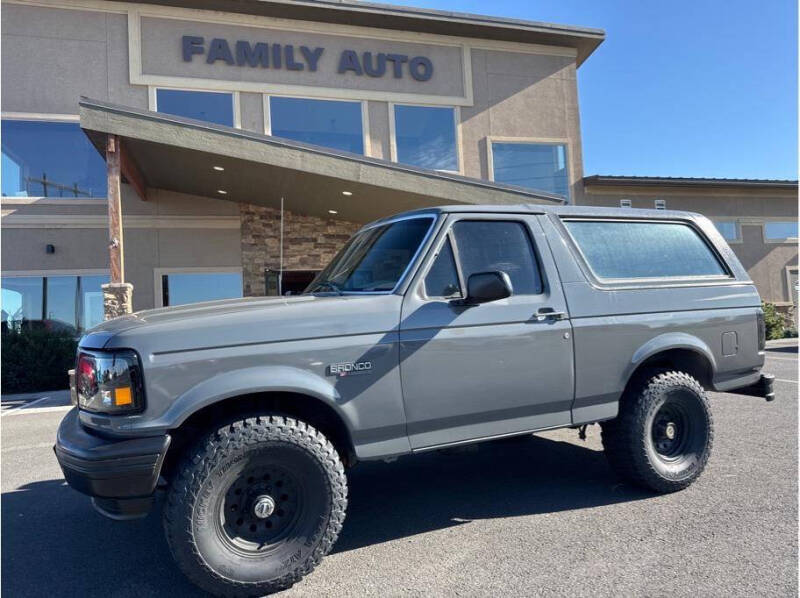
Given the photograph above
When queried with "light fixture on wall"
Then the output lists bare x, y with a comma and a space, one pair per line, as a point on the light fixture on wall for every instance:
222, 191
219, 168
333, 211
49, 248
348, 193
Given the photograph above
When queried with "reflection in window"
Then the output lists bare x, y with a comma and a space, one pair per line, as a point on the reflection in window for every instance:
778, 230
209, 106
538, 166
70, 303
50, 159
426, 136
617, 249
728, 229
328, 123
183, 288
442, 278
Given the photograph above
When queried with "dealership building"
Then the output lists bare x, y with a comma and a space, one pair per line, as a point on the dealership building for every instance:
255, 136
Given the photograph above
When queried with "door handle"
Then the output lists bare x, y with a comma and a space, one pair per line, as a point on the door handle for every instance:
549, 313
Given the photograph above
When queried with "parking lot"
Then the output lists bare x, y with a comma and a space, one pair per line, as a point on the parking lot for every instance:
541, 515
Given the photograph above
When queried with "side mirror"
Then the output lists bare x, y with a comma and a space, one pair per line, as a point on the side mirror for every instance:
483, 287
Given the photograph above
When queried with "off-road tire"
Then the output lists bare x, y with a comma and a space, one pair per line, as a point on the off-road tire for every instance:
195, 512
631, 440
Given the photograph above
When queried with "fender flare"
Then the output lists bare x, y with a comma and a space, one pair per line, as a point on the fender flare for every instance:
267, 378
667, 342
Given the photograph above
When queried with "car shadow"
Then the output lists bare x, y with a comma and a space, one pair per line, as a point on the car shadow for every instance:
789, 349
53, 542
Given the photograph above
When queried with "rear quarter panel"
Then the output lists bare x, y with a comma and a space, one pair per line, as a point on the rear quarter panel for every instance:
618, 326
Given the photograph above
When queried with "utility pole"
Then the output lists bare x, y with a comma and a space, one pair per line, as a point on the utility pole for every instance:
118, 295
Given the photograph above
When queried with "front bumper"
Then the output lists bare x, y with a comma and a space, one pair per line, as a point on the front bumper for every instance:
120, 475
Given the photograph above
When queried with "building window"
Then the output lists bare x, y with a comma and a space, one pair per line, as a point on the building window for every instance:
50, 159
537, 166
729, 229
642, 250
180, 288
780, 231
209, 106
425, 136
329, 123
68, 303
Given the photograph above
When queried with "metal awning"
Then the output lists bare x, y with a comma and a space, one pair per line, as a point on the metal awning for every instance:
179, 154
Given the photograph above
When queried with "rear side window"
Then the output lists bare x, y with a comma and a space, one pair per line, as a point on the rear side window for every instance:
630, 249
498, 246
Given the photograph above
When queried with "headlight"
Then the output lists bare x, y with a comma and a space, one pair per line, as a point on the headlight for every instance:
109, 382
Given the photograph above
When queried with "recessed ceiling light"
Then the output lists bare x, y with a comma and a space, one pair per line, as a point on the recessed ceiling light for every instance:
333, 211
219, 168
222, 191
347, 193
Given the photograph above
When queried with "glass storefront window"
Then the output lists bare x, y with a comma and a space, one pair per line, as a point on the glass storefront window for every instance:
50, 159
780, 230
425, 136
538, 166
728, 229
181, 288
210, 106
70, 303
329, 123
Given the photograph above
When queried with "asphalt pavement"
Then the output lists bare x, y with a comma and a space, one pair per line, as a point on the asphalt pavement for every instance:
538, 516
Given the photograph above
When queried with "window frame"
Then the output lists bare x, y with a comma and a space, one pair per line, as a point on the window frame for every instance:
447, 233
456, 122
776, 241
41, 199
366, 139
492, 139
158, 287
152, 101
787, 274
738, 239
653, 282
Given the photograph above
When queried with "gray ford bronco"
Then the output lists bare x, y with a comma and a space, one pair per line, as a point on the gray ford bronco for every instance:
431, 329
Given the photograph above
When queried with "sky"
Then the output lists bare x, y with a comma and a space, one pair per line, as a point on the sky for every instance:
691, 88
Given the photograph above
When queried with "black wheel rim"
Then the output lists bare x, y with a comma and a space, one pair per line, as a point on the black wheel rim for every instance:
260, 509
671, 431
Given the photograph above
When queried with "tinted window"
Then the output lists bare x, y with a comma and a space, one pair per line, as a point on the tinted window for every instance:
492, 246
538, 166
780, 230
644, 249
183, 288
442, 278
374, 259
209, 106
50, 159
319, 122
426, 137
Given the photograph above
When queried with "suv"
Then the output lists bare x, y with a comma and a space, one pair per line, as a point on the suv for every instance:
430, 329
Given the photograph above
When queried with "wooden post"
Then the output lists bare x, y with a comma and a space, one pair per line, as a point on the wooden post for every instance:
114, 210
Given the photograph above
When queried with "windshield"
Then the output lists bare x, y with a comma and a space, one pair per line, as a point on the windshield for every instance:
374, 259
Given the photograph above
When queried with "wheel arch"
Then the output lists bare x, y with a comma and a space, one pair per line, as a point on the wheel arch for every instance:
675, 351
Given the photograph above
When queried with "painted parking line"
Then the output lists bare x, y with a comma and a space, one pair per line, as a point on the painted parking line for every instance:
782, 358
785, 380
35, 410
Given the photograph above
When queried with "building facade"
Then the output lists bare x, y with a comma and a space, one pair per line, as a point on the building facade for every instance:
454, 103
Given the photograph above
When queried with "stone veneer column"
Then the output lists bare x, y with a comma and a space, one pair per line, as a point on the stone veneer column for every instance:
309, 243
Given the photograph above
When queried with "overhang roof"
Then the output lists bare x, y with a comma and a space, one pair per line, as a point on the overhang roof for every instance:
652, 181
179, 154
407, 18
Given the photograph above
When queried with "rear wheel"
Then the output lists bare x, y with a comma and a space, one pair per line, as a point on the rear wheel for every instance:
255, 506
663, 435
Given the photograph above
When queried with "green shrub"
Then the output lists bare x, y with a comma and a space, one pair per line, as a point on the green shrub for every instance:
773, 320
36, 359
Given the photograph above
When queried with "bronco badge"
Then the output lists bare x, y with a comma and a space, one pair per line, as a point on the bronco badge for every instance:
350, 368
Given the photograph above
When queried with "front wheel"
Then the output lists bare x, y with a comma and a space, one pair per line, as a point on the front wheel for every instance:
663, 435
255, 506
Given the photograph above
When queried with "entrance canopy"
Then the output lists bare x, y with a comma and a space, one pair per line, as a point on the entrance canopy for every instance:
187, 156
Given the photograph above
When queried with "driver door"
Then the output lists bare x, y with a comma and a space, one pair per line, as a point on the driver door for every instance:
493, 369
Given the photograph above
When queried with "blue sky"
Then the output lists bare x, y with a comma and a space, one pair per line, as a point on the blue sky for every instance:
680, 88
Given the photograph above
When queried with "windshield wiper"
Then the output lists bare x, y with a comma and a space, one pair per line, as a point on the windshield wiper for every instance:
328, 284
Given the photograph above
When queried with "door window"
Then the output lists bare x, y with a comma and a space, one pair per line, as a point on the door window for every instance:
442, 278
498, 246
